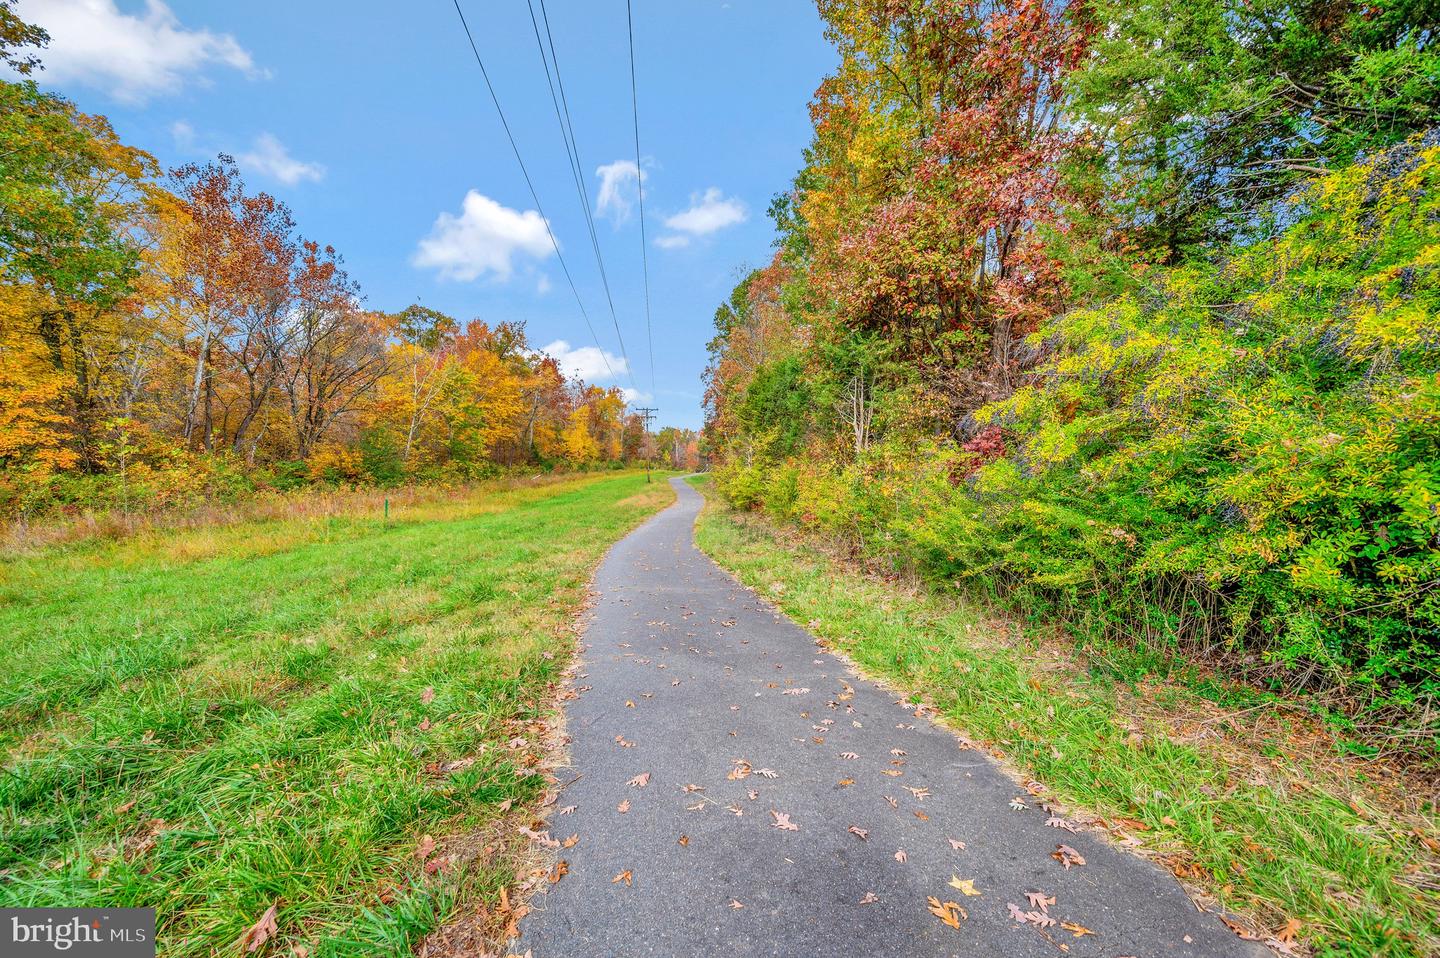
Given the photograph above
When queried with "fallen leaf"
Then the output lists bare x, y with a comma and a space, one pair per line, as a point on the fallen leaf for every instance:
869, 898
782, 822
736, 904
846, 782
126, 807
570, 842
892, 772
948, 912
693, 788
1067, 856
623, 807
1055, 821
640, 781
262, 931
860, 833
901, 857
921, 815
965, 886
1079, 931
795, 692
766, 773
1040, 900
624, 876
898, 752
427, 696
566, 810
629, 704
752, 794
848, 755
955, 845
1018, 805
920, 793
893, 803
1288, 933
684, 841
427, 845
425, 725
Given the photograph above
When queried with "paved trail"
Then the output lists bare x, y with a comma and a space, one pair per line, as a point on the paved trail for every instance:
708, 682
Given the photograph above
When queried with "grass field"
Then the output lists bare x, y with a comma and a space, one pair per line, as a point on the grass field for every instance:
1321, 850
215, 721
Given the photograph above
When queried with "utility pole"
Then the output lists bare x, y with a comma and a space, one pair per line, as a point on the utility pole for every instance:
646, 413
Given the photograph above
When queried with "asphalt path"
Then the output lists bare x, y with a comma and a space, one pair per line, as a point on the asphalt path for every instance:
741, 792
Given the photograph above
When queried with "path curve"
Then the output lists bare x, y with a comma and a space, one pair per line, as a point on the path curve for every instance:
698, 675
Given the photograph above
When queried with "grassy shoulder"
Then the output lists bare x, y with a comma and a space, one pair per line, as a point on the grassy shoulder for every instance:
285, 713
1248, 806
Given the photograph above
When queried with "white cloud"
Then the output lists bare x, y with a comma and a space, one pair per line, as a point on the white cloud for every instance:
585, 362
269, 157
672, 242
483, 239
708, 213
634, 395
542, 285
131, 56
618, 188
184, 135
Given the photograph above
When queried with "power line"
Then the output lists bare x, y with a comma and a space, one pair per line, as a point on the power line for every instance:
533, 195
640, 187
572, 149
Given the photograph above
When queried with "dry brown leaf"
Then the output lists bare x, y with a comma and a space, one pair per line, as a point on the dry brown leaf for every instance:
846, 782
860, 833
848, 755
901, 857
623, 807
566, 810
1039, 900
782, 822
736, 904
1288, 933
427, 696
629, 703
1067, 856
624, 876
262, 931
640, 781
684, 841
1079, 931
956, 845
570, 842
426, 846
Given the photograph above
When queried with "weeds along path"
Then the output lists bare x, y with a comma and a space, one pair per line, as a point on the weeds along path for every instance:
740, 791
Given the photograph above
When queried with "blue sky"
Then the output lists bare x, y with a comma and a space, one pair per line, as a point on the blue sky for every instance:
371, 120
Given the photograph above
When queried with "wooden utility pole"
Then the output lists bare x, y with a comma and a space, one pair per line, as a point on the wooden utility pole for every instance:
646, 413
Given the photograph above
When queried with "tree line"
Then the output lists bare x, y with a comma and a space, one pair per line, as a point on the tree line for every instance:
1125, 313
167, 335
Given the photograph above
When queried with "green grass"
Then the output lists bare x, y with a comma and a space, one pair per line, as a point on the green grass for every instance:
1293, 842
216, 720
